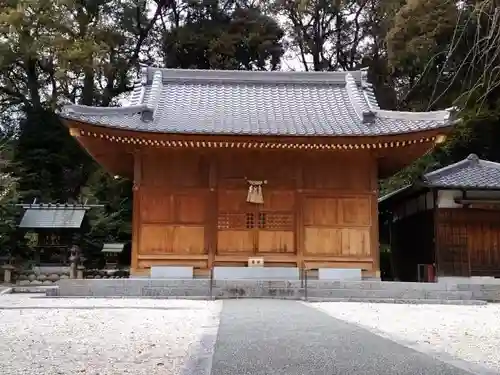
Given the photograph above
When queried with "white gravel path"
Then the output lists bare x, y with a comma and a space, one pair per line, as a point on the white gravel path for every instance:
470, 333
103, 336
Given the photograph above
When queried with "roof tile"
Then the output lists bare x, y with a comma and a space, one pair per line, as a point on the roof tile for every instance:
471, 172
256, 103
56, 217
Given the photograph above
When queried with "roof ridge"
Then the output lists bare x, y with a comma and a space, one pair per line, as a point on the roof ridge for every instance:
367, 90
240, 76
361, 107
487, 163
442, 115
102, 111
155, 94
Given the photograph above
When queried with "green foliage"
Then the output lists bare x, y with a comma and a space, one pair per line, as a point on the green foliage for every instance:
9, 213
443, 54
47, 161
214, 38
113, 222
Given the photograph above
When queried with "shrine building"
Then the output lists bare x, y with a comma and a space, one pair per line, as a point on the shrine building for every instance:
232, 165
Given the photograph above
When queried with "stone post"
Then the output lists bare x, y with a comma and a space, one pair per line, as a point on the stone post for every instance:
79, 271
7, 276
72, 270
74, 259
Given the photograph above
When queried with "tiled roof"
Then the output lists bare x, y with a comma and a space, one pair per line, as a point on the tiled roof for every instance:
112, 247
471, 172
256, 103
46, 216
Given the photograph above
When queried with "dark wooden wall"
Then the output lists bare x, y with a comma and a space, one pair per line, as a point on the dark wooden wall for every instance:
468, 242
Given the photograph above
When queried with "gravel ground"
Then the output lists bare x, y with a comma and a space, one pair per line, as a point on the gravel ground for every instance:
106, 337
470, 333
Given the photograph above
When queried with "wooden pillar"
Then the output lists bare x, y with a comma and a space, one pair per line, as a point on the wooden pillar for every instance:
435, 220
469, 269
136, 224
211, 219
299, 220
374, 231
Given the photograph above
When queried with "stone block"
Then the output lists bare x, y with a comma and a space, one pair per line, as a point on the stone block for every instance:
353, 274
256, 273
166, 291
133, 287
449, 295
51, 269
171, 272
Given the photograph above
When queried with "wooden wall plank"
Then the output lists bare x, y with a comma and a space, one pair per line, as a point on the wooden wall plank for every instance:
315, 205
164, 238
469, 241
235, 241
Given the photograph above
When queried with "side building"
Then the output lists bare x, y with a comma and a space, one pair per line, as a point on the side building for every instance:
450, 219
229, 165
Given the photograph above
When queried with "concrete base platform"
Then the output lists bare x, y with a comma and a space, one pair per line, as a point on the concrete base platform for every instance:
280, 289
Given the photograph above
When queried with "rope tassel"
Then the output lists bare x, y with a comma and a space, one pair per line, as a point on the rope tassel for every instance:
255, 192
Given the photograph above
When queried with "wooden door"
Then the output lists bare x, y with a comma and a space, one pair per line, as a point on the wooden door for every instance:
276, 223
452, 252
483, 239
247, 229
236, 223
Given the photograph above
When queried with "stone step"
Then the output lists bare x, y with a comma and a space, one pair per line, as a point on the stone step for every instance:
33, 289
401, 301
257, 292
338, 293
158, 288
401, 293
378, 285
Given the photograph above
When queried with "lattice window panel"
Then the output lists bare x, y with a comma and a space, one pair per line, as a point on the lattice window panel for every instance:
228, 220
275, 221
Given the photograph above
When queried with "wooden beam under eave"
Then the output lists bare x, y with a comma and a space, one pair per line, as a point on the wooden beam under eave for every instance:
232, 141
390, 161
311, 147
115, 158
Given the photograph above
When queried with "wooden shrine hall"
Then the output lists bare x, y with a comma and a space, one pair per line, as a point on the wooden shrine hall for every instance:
448, 218
232, 165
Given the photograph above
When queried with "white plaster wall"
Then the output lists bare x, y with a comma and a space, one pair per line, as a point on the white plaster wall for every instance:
446, 198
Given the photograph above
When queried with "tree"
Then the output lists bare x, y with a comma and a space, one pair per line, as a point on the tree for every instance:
88, 52
54, 52
8, 198
339, 35
211, 36
446, 54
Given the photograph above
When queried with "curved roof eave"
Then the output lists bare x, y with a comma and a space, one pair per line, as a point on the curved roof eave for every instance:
440, 129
